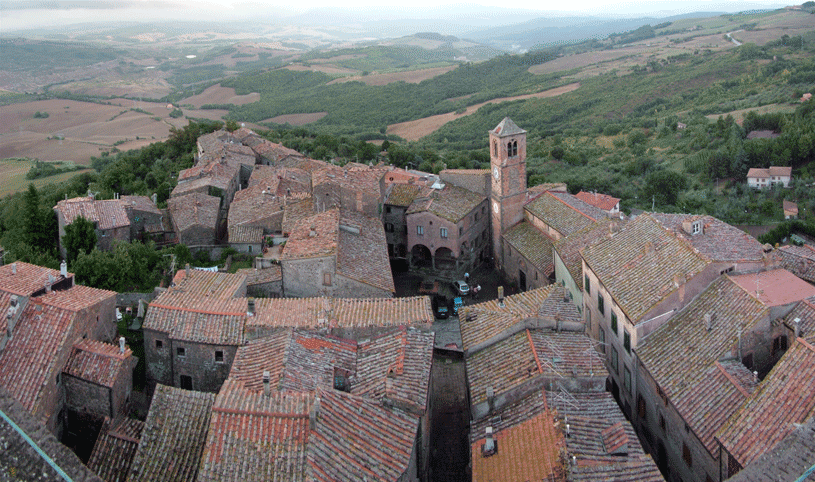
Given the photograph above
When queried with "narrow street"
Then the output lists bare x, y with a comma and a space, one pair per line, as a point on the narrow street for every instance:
449, 448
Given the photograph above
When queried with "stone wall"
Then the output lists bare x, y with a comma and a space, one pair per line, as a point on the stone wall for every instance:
88, 398
303, 278
479, 183
197, 236
199, 363
350, 288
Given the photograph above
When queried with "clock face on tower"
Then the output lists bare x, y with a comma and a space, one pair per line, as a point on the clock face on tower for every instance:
496, 173
495, 207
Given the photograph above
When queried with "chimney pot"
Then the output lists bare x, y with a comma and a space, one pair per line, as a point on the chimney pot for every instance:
267, 390
63, 269
797, 327
13, 268
187, 269
121, 344
250, 306
501, 296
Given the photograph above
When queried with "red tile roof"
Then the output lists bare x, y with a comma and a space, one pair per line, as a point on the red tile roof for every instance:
485, 321
775, 287
533, 245
256, 437
312, 359
355, 438
784, 398
790, 208
564, 212
29, 363
790, 459
569, 247
97, 362
267, 354
365, 179
799, 260
600, 201
27, 279
173, 437
452, 203
194, 209
362, 251
640, 265
718, 240
771, 171
805, 313
115, 447
528, 451
77, 298
108, 213
254, 205
256, 276
314, 237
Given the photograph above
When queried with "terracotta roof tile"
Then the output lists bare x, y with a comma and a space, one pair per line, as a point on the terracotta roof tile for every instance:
140, 203
507, 128
314, 237
281, 179
533, 245
530, 354
790, 208
245, 234
404, 194
195, 209
362, 252
273, 152
355, 438
197, 326
97, 362
109, 214
681, 353
253, 437
799, 260
528, 451
255, 205
25, 279
28, 364
76, 298
784, 398
718, 240
485, 321
564, 212
775, 287
788, 460
255, 276
600, 201
267, 354
173, 437
804, 311
312, 359
115, 447
640, 265
365, 179
771, 171
452, 203
296, 210
569, 247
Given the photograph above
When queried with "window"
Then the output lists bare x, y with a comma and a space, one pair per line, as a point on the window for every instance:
59, 378
405, 229
642, 409
696, 227
614, 323
475, 218
443, 232
686, 455
627, 341
326, 279
460, 230
181, 351
627, 379
186, 382
389, 227
614, 361
779, 344
662, 423
483, 209
250, 248
601, 306
388, 209
159, 344
420, 230
586, 283
662, 396
588, 319
602, 338
219, 356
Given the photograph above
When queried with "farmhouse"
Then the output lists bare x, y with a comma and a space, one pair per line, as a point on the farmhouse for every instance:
762, 178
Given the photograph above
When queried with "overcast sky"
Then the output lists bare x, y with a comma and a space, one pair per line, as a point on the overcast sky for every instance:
18, 14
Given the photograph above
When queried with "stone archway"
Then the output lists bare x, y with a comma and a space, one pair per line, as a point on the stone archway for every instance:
420, 256
444, 259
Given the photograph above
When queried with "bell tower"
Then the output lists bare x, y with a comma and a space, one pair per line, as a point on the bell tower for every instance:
508, 194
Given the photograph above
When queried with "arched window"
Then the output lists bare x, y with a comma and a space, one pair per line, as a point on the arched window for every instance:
495, 148
509, 149
514, 148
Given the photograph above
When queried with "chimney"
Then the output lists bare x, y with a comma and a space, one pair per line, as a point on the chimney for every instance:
49, 283
501, 296
491, 398
490, 446
312, 414
187, 270
250, 303
121, 344
568, 431
63, 269
574, 459
708, 321
267, 378
755, 376
797, 327
154, 197
13, 268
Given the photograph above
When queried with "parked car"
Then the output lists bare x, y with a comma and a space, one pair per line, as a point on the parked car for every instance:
441, 307
461, 288
118, 315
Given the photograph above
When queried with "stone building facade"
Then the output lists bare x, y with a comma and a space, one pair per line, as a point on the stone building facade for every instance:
507, 144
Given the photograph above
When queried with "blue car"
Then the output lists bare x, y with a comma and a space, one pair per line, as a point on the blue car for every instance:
457, 303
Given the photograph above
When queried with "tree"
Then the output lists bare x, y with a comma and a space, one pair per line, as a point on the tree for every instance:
38, 229
80, 237
664, 186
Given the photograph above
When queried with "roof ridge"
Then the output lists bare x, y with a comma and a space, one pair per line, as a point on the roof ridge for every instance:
806, 344
570, 206
194, 310
534, 351
732, 379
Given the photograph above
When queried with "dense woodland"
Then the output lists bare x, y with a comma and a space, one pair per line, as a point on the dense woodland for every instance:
653, 137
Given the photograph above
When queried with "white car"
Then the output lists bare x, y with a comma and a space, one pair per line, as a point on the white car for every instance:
461, 288
118, 315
